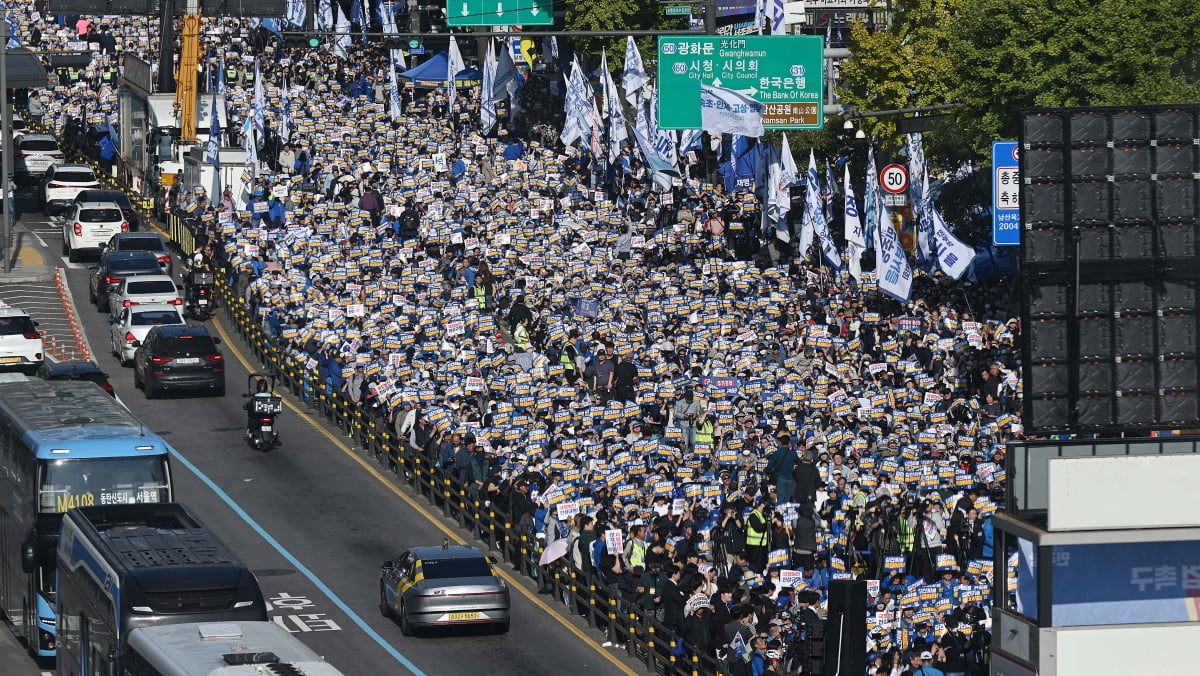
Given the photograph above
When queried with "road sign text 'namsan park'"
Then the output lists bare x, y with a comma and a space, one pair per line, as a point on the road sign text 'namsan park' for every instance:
784, 72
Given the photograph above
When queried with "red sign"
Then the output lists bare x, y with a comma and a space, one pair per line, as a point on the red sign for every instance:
894, 179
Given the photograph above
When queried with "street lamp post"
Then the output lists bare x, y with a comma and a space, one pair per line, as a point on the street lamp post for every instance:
6, 137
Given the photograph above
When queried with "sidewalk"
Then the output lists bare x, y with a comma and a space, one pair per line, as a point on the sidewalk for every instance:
28, 262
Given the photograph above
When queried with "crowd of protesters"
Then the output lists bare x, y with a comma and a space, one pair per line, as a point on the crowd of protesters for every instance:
715, 426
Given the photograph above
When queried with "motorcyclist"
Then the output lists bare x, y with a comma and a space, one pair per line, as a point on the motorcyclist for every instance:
263, 392
199, 263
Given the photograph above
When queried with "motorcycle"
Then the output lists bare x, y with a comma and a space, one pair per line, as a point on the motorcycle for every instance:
261, 411
199, 304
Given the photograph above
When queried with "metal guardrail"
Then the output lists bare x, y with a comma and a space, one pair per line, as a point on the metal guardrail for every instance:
602, 606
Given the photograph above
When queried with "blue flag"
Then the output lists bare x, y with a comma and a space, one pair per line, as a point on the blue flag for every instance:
212, 153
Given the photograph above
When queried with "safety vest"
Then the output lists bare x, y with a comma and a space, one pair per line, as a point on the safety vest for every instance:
565, 359
231, 73
73, 75
521, 337
480, 295
637, 554
704, 432
905, 536
754, 537
248, 76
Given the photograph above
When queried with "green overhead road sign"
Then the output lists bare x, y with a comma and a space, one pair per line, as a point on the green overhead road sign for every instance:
784, 72
499, 12
679, 10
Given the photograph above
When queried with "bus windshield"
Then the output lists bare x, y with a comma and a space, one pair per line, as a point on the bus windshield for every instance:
66, 484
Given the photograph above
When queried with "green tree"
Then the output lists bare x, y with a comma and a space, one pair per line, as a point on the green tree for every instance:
608, 15
1050, 53
905, 66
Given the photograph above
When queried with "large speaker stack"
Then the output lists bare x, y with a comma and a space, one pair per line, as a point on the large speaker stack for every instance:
846, 628
1109, 268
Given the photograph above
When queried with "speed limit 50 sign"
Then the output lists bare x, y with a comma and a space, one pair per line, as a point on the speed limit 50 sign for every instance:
894, 179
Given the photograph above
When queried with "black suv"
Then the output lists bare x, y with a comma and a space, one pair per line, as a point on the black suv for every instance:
115, 266
76, 370
116, 196
178, 358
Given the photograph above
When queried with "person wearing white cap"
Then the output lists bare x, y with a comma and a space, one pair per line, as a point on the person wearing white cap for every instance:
926, 668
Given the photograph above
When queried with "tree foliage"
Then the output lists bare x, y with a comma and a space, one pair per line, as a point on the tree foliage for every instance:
998, 56
608, 15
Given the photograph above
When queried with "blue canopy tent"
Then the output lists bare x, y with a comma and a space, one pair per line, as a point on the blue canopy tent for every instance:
432, 74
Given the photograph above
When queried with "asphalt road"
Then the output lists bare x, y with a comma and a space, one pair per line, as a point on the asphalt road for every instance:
314, 522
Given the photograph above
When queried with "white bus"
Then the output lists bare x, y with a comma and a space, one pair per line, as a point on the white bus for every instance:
219, 649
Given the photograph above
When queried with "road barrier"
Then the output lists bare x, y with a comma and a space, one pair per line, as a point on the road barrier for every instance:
602, 606
79, 350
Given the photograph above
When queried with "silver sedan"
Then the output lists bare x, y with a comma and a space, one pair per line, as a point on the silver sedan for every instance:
442, 586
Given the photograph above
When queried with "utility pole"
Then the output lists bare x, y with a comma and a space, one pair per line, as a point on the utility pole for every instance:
6, 135
166, 49
710, 17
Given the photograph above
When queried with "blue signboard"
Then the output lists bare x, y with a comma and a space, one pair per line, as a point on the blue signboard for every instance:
1130, 583
1006, 194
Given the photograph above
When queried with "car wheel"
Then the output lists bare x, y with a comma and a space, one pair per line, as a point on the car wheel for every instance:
137, 379
71, 256
405, 627
65, 248
504, 626
220, 391
148, 388
384, 608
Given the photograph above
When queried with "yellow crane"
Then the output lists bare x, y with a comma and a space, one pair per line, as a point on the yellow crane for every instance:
189, 64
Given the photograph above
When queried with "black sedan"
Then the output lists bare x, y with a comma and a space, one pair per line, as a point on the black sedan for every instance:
76, 370
443, 586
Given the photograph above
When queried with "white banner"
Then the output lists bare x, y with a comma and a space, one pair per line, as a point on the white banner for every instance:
855, 243
892, 272
814, 207
954, 257
728, 112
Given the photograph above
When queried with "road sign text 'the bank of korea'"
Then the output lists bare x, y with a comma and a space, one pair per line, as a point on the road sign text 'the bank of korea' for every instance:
784, 72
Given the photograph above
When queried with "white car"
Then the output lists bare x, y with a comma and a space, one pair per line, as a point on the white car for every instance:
134, 322
34, 153
143, 290
89, 226
20, 340
61, 184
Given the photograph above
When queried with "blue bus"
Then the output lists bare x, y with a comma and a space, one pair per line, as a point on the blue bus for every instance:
128, 567
63, 444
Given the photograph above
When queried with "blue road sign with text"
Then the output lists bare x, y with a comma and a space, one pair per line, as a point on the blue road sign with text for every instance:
1006, 194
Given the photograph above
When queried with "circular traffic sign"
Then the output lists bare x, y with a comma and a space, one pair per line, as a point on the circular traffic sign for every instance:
894, 179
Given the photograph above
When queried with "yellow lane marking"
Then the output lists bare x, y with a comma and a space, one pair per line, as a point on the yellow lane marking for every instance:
513, 582
29, 256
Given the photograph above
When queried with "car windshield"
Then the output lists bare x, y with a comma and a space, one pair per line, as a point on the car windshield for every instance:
77, 176
443, 569
99, 215
186, 345
150, 286
139, 264
155, 318
102, 481
39, 145
140, 244
15, 326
